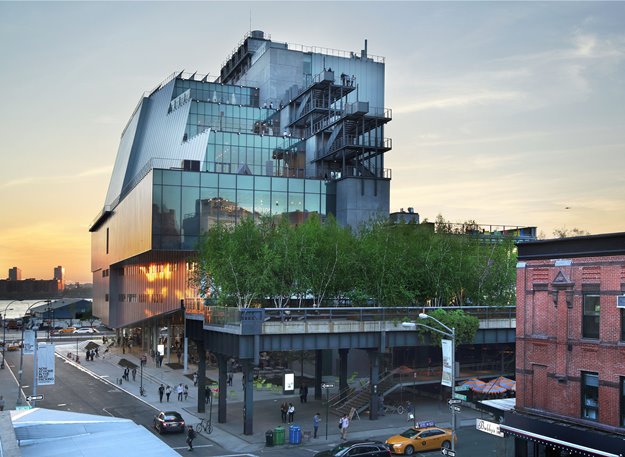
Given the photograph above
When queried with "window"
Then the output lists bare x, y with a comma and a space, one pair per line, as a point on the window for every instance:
590, 318
622, 324
590, 396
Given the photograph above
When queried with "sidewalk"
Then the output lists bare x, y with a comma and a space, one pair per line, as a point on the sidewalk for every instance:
266, 404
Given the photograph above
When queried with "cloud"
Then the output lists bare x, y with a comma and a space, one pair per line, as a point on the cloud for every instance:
60, 178
480, 97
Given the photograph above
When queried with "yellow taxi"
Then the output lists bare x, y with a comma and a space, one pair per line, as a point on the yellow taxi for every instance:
67, 330
417, 439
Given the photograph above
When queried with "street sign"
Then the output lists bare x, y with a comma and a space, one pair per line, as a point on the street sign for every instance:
460, 397
456, 408
488, 427
34, 397
461, 388
454, 401
18, 408
327, 386
448, 452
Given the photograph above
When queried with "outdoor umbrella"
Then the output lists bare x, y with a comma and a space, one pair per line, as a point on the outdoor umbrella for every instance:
476, 385
91, 345
507, 383
493, 387
127, 364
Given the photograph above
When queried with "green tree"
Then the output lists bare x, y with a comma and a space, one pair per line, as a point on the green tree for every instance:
465, 326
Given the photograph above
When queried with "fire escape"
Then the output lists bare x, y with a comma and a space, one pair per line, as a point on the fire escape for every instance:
349, 136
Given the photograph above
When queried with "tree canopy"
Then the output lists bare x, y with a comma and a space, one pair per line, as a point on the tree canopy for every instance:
271, 262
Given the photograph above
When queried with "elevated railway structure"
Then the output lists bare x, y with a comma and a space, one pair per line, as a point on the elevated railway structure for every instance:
243, 334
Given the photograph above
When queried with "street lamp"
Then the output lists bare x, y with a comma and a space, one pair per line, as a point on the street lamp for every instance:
19, 385
4, 329
451, 333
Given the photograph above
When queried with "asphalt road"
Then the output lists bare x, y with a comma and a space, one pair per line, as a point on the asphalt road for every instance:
79, 391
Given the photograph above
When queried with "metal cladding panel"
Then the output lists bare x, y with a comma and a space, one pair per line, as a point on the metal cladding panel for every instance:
124, 153
162, 135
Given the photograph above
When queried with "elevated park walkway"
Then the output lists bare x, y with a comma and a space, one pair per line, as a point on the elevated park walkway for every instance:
243, 334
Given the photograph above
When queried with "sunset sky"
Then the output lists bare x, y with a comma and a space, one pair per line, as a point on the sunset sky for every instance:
505, 113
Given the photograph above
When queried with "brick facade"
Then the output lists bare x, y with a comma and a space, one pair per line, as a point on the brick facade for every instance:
552, 353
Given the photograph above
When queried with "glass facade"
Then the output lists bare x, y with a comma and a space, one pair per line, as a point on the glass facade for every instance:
185, 204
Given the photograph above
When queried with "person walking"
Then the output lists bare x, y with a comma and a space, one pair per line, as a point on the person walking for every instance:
344, 425
230, 379
291, 412
190, 437
179, 391
301, 393
168, 392
186, 392
284, 407
134, 373
195, 379
161, 391
305, 393
316, 421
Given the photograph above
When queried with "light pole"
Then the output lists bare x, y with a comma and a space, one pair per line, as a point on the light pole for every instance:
19, 384
451, 333
4, 329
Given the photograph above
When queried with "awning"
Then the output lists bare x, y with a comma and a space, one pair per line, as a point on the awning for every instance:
549, 441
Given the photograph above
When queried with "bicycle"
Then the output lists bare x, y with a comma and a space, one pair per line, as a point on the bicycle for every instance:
399, 409
204, 425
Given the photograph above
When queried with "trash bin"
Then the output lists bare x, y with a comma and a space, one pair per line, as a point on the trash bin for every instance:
295, 434
278, 435
269, 438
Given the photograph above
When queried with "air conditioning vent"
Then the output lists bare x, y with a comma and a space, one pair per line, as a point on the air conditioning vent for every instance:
620, 301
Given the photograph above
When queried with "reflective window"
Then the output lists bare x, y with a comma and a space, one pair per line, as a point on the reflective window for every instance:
190, 211
170, 212
296, 202
157, 176
190, 179
279, 203
157, 192
591, 314
296, 185
209, 179
227, 181
171, 177
245, 182
279, 184
590, 395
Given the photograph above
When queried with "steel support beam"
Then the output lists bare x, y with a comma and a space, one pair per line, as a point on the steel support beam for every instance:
201, 376
318, 373
248, 397
374, 376
222, 364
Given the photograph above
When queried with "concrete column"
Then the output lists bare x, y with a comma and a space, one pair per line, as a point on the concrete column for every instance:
318, 373
168, 345
343, 369
374, 376
222, 364
201, 376
248, 397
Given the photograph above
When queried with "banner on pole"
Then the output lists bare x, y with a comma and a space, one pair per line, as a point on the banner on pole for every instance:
446, 379
45, 365
29, 342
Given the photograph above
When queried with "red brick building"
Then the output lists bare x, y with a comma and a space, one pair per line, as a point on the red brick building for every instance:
570, 348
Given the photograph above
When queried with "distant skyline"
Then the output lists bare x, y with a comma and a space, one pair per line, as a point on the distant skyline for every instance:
504, 113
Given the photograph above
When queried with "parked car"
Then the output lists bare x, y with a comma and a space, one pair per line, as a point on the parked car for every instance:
363, 448
420, 439
85, 330
169, 421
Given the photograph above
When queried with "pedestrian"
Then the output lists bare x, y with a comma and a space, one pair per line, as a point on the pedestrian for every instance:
301, 393
2, 403
161, 391
207, 394
305, 393
284, 407
190, 437
343, 426
178, 354
186, 392
168, 392
96, 352
230, 379
195, 379
316, 421
179, 391
134, 373
291, 412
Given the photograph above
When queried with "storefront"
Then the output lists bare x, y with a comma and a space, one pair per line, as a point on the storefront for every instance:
542, 437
